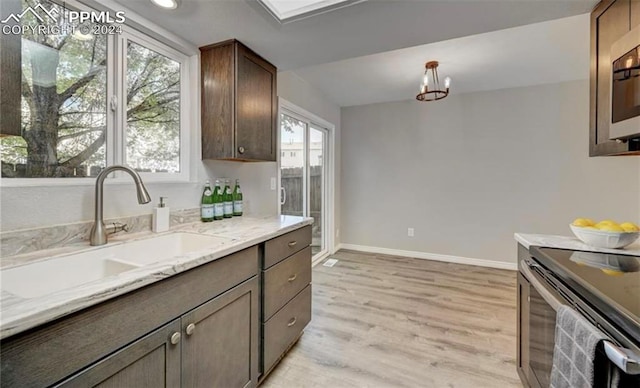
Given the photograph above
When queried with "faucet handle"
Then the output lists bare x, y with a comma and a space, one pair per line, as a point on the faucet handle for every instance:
115, 227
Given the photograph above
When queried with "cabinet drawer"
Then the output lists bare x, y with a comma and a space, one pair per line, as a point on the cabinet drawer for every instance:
279, 248
285, 326
285, 280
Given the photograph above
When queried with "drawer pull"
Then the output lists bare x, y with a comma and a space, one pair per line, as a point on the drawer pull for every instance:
292, 278
175, 338
190, 328
292, 243
292, 322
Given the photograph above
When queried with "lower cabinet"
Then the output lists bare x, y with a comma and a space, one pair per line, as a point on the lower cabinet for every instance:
285, 327
214, 345
522, 356
152, 361
286, 294
222, 324
220, 347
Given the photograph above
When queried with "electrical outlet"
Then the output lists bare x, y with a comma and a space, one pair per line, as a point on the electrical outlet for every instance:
273, 183
410, 232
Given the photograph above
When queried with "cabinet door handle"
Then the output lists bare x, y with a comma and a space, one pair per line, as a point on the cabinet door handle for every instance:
292, 322
241, 150
292, 277
292, 243
175, 338
190, 328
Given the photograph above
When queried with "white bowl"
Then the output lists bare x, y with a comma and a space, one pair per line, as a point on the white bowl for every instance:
604, 239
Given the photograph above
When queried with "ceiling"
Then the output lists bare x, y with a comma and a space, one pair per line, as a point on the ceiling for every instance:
365, 28
547, 52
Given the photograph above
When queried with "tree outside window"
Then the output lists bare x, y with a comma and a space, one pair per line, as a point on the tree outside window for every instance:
64, 107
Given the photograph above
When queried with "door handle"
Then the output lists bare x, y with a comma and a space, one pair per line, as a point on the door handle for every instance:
283, 195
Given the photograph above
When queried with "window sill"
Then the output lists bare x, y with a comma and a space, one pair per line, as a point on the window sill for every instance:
71, 182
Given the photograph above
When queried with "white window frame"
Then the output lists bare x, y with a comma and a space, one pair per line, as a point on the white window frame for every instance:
132, 35
116, 86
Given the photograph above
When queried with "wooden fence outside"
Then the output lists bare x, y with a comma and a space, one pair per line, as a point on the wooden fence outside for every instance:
292, 181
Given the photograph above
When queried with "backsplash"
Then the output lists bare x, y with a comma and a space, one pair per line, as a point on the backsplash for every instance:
18, 242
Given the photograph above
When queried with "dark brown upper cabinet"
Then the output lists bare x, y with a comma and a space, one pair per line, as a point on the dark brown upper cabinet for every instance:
610, 20
239, 104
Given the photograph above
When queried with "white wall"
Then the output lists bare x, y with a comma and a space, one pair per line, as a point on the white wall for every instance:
37, 206
255, 181
299, 92
469, 171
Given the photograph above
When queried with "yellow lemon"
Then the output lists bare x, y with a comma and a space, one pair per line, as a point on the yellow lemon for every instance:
629, 227
605, 223
582, 222
612, 272
610, 228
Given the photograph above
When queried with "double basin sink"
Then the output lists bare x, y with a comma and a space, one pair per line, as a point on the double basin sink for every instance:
56, 274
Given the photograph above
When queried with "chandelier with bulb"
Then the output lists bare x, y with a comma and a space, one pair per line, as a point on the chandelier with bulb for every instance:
430, 89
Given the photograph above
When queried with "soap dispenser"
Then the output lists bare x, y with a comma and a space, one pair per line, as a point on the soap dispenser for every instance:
160, 222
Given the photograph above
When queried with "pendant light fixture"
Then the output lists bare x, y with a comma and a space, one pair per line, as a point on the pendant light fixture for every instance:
430, 89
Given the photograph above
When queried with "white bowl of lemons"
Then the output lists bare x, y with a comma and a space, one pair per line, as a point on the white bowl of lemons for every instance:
606, 233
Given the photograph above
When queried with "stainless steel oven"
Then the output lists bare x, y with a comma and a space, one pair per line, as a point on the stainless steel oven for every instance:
540, 294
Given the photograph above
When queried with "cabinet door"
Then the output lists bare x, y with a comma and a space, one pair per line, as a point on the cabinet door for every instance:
523, 328
218, 104
153, 362
256, 107
220, 347
609, 22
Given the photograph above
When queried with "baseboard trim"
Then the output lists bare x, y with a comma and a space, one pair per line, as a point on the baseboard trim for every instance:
337, 248
431, 256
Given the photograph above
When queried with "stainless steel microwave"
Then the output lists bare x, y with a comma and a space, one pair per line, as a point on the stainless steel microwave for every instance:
625, 86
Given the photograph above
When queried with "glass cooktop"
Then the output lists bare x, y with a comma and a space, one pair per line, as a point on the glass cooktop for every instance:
610, 282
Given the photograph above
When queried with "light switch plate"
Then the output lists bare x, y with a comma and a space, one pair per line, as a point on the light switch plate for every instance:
410, 232
273, 183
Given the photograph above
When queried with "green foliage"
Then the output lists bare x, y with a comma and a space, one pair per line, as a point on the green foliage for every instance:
65, 128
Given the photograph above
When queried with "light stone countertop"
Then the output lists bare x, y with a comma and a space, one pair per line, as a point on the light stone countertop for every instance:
573, 243
20, 314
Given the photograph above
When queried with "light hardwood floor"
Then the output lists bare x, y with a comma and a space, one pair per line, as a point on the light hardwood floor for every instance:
387, 321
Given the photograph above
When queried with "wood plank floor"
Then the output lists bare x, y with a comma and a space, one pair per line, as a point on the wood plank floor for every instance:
386, 321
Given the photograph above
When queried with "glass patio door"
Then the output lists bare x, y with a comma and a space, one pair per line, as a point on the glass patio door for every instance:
303, 174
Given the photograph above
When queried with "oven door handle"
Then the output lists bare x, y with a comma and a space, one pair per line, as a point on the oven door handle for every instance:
625, 359
538, 284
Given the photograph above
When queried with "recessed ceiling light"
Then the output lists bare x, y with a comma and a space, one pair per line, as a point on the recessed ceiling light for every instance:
167, 4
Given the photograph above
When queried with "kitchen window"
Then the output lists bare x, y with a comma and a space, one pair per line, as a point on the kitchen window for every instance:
89, 101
